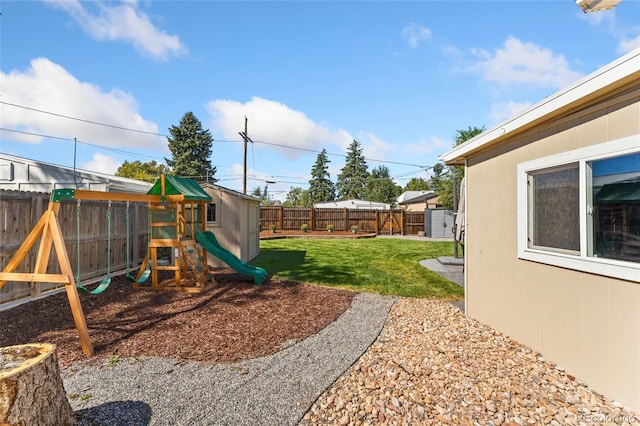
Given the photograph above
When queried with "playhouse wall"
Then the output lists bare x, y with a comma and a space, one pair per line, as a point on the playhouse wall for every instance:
588, 324
237, 225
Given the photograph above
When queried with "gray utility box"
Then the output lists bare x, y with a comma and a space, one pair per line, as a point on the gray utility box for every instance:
438, 223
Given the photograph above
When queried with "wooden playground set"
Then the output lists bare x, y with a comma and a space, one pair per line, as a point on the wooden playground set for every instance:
177, 211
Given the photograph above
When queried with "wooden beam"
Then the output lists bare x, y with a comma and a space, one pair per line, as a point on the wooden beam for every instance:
34, 277
26, 246
72, 291
83, 194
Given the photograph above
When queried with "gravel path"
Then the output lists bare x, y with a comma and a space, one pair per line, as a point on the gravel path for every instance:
432, 365
429, 365
273, 390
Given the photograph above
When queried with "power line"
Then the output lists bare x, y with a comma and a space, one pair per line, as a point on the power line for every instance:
340, 155
120, 151
113, 126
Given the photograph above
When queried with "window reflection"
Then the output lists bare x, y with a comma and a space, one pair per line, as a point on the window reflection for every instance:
615, 193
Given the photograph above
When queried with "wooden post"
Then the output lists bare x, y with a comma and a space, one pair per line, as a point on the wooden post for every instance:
376, 222
312, 222
281, 217
346, 219
72, 290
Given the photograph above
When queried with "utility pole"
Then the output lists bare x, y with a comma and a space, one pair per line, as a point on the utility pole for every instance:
246, 138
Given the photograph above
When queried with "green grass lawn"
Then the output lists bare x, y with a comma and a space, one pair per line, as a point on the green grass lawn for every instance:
375, 265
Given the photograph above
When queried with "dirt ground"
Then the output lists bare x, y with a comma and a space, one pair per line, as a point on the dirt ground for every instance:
235, 320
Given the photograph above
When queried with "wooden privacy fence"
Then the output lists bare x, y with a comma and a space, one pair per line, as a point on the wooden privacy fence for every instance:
19, 212
396, 221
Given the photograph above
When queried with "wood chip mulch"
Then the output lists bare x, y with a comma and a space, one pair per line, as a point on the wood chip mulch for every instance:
235, 320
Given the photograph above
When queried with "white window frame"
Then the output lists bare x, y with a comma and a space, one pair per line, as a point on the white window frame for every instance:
577, 261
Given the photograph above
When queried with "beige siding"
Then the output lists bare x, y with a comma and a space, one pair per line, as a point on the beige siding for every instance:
588, 324
237, 228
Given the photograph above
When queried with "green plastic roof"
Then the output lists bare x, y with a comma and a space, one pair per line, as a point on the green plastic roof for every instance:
174, 185
625, 192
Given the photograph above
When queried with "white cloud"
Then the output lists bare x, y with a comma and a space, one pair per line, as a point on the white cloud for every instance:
124, 22
626, 45
373, 147
500, 111
524, 63
46, 86
102, 164
273, 122
424, 146
414, 34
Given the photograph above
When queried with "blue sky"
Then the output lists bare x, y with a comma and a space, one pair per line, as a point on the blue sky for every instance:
399, 77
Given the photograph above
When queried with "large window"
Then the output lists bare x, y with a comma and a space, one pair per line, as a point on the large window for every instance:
581, 209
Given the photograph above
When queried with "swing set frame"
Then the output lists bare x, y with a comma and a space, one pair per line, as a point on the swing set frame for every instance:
48, 231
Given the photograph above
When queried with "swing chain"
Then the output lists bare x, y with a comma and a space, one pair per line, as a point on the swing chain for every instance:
109, 239
78, 242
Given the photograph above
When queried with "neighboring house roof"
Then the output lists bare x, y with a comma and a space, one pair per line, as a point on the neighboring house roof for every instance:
409, 197
352, 204
607, 78
60, 176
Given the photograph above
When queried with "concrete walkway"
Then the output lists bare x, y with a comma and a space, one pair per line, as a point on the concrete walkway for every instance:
450, 268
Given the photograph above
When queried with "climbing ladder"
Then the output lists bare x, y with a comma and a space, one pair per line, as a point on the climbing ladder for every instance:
194, 257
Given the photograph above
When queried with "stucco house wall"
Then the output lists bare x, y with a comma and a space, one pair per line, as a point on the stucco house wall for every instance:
585, 321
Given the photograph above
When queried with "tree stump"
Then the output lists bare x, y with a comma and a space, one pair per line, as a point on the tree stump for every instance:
31, 390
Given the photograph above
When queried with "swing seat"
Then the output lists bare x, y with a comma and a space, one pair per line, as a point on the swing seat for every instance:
143, 277
101, 287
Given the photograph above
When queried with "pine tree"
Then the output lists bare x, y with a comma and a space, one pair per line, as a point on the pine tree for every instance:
321, 187
190, 148
352, 179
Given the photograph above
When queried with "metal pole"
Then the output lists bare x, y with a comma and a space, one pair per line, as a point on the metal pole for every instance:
455, 212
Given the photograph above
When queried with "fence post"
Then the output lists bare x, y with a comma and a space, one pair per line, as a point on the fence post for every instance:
346, 219
376, 221
312, 222
402, 222
281, 218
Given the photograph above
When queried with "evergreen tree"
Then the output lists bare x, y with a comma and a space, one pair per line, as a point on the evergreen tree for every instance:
352, 179
148, 172
381, 187
321, 187
190, 148
263, 195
